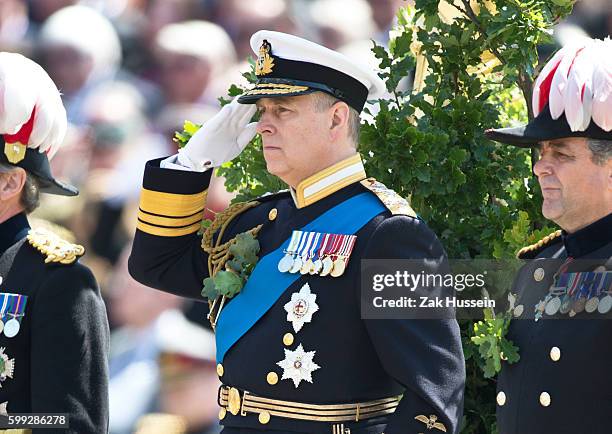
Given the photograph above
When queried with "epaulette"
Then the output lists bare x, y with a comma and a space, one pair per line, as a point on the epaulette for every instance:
530, 252
54, 248
393, 201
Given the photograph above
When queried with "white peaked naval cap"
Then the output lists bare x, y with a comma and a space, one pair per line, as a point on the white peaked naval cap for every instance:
288, 65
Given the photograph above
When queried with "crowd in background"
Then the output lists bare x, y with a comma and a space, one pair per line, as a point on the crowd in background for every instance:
131, 72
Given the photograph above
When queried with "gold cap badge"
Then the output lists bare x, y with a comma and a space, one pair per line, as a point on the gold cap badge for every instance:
265, 62
15, 152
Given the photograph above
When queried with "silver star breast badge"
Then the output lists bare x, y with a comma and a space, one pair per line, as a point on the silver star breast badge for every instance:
301, 307
298, 365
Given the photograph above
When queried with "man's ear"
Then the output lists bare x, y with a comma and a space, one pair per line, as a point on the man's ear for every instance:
11, 184
339, 118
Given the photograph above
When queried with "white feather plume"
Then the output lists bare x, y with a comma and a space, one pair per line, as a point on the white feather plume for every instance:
581, 85
578, 96
18, 91
546, 71
24, 85
602, 88
559, 81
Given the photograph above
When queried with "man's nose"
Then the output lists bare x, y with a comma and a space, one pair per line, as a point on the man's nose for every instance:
543, 167
265, 126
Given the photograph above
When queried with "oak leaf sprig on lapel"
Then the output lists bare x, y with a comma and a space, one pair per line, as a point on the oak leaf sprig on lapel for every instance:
493, 345
242, 260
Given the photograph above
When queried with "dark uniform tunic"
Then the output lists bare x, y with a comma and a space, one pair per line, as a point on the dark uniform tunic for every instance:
562, 382
359, 360
60, 352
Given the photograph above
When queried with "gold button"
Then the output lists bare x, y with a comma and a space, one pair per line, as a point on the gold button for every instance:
538, 274
501, 398
545, 399
555, 354
220, 370
288, 339
272, 214
272, 378
222, 413
264, 417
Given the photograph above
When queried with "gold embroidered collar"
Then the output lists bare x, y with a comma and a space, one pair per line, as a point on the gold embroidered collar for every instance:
328, 181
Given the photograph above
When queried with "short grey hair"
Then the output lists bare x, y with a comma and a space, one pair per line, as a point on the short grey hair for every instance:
30, 195
324, 101
601, 150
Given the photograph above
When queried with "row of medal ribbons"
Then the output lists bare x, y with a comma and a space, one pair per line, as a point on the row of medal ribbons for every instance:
573, 293
12, 310
317, 253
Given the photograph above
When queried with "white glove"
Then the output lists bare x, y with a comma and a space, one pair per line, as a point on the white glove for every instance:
221, 139
24, 85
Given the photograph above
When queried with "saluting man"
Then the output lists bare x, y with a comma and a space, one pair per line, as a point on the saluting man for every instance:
53, 328
293, 353
562, 382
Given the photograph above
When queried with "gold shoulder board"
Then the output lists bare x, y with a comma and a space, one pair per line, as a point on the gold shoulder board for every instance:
539, 245
53, 247
393, 201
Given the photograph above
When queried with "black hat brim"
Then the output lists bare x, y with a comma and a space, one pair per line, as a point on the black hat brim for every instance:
543, 128
37, 164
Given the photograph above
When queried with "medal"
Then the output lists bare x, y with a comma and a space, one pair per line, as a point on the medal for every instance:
306, 238
339, 267
311, 246
341, 261
317, 266
13, 305
579, 305
306, 267
301, 307
328, 264
298, 365
605, 304
553, 305
591, 304
286, 263
296, 266
518, 310
566, 304
11, 328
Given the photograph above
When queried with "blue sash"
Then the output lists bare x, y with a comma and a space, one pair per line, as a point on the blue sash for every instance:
266, 284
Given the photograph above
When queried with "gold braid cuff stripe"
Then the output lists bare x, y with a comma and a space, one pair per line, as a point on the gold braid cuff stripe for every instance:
172, 204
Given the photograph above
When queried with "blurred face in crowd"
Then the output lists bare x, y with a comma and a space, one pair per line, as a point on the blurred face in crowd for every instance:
383, 11
299, 139
576, 190
68, 68
184, 77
